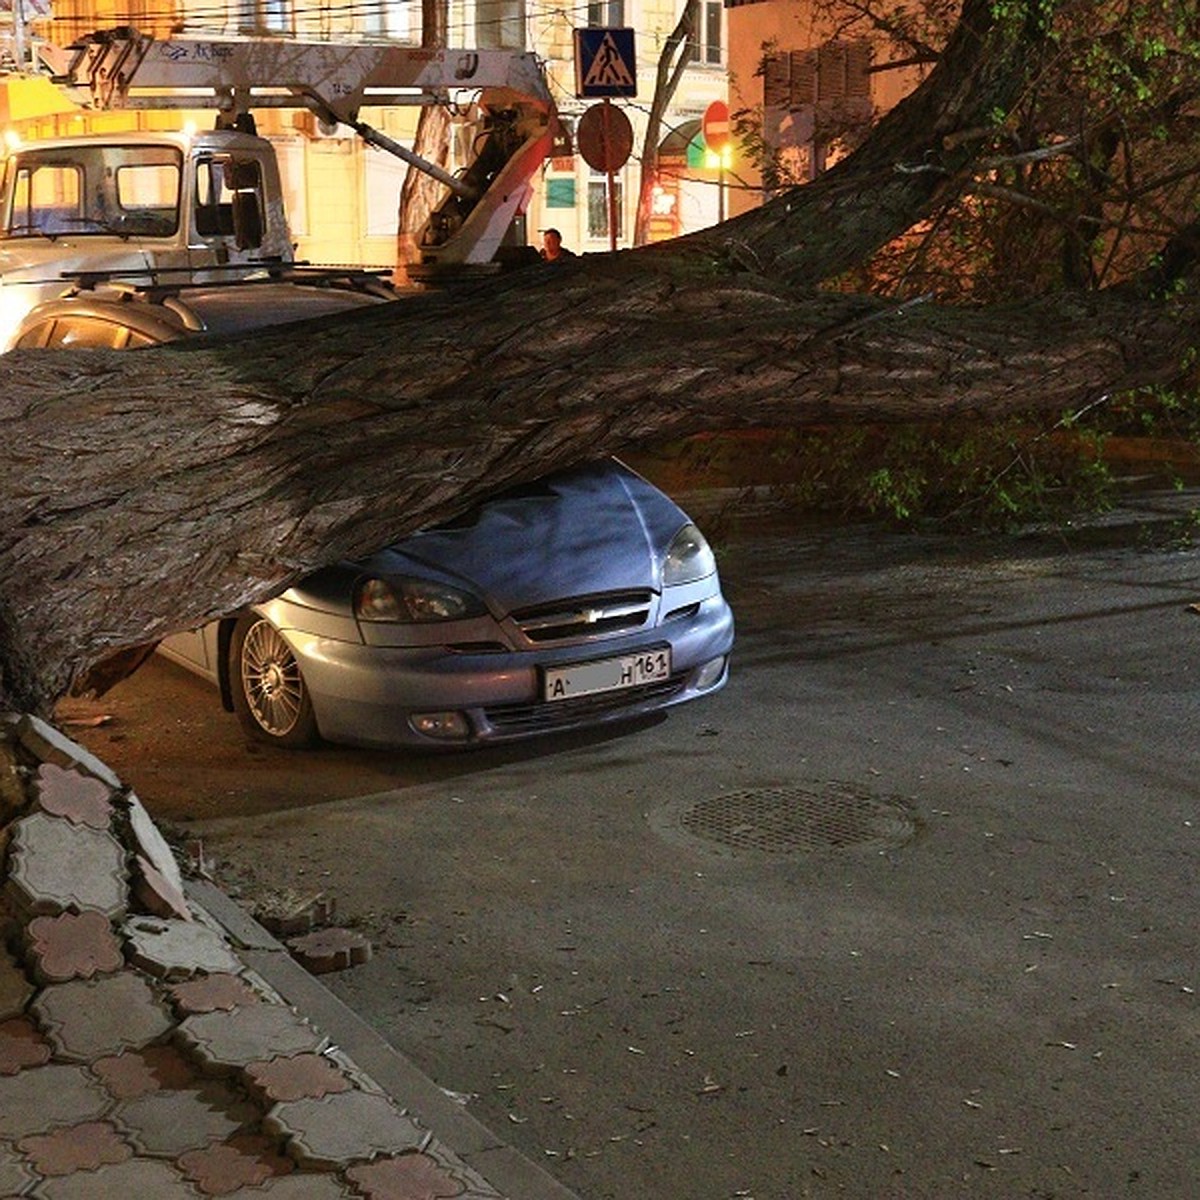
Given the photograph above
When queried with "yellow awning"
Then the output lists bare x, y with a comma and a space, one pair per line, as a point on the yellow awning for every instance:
28, 97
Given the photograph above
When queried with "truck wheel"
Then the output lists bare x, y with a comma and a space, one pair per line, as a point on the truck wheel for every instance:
269, 695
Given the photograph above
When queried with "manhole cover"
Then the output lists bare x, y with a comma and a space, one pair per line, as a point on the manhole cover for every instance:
791, 820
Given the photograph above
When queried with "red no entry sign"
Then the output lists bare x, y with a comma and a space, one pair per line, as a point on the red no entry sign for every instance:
715, 126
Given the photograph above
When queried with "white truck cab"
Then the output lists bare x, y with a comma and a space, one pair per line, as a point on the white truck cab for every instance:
147, 207
165, 209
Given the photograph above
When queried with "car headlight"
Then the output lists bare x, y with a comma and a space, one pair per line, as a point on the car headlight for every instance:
413, 601
688, 558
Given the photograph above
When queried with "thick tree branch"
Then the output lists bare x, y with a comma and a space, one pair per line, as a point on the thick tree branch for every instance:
118, 526
672, 62
420, 193
145, 492
865, 201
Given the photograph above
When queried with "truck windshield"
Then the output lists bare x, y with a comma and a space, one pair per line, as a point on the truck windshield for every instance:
127, 190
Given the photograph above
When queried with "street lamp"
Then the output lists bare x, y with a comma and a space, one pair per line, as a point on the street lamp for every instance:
720, 161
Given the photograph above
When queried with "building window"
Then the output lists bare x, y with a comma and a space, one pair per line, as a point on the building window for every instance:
834, 75
606, 14
500, 24
383, 178
562, 147
705, 45
388, 20
815, 102
597, 196
265, 16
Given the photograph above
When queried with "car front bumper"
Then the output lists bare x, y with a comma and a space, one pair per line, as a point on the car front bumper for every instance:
366, 695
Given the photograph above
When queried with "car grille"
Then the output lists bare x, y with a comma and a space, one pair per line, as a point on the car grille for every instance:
585, 616
526, 718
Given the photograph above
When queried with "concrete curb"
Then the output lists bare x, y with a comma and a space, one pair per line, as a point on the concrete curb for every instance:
502, 1166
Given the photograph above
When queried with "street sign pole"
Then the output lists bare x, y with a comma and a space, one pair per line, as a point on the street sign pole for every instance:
716, 130
612, 180
605, 66
605, 138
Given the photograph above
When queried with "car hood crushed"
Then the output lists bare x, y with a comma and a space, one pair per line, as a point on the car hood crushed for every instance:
596, 529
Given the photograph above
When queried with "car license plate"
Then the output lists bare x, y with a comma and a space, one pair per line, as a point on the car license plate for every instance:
607, 674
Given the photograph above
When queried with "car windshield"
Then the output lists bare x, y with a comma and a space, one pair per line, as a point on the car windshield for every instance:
126, 190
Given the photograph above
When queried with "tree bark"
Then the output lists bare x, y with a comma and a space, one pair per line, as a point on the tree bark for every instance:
420, 193
913, 160
672, 63
142, 493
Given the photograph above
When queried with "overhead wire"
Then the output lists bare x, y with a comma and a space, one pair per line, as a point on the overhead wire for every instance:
239, 17
226, 17
232, 18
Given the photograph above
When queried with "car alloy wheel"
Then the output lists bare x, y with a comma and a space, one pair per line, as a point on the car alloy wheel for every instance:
269, 693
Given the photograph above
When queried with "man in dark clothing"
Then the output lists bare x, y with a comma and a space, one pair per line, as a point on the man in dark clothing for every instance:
552, 248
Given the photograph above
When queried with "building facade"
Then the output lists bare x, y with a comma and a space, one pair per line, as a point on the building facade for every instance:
805, 82
573, 196
343, 195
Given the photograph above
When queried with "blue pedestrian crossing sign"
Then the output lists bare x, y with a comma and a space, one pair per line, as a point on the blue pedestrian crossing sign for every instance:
605, 64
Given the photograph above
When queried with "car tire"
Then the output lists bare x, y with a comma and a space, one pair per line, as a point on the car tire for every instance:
270, 697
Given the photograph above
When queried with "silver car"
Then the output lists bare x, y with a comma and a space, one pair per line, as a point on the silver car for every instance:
585, 597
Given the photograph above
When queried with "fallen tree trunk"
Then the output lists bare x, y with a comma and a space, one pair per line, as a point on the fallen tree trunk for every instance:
146, 492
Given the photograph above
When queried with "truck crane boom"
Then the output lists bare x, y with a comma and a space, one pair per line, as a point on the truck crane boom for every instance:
124, 69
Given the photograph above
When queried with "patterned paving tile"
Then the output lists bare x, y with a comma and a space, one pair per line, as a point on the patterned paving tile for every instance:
73, 1148
55, 866
73, 946
294, 921
168, 1123
338, 1129
47, 744
177, 949
306, 1185
16, 989
21, 1046
230, 1041
81, 799
131, 1116
137, 1179
15, 1175
41, 1097
326, 950
406, 1177
140, 1072
296, 1077
157, 894
151, 844
220, 992
87, 1019
474, 1184
245, 1161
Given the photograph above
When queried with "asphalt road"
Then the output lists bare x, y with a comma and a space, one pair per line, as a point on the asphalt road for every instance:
909, 910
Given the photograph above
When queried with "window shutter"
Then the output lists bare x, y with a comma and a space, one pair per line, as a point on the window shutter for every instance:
858, 68
831, 73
